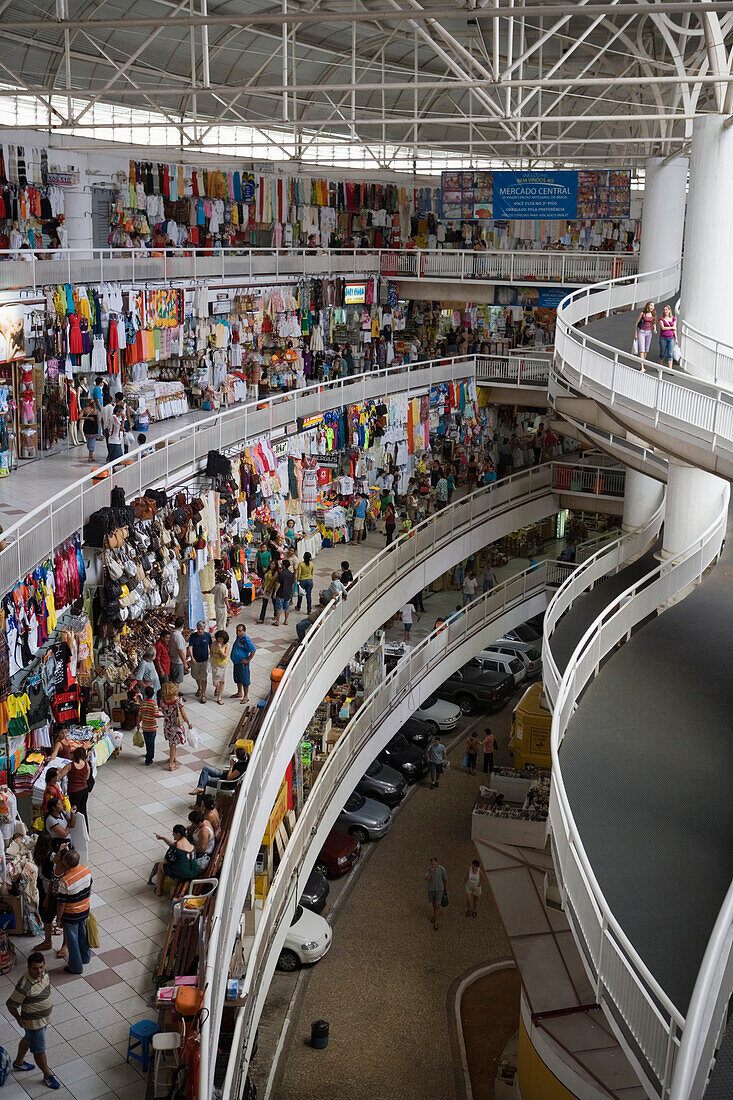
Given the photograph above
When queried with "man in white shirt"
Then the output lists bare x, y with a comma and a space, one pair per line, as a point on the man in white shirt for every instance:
334, 590
106, 418
406, 615
469, 588
114, 438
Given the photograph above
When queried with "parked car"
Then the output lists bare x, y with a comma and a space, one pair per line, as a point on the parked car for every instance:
475, 687
509, 663
417, 732
404, 757
315, 892
307, 940
530, 653
338, 854
526, 633
439, 715
383, 783
364, 818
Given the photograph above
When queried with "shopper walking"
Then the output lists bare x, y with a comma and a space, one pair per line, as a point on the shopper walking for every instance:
114, 435
667, 337
220, 592
147, 723
243, 651
268, 588
437, 881
441, 492
490, 745
472, 886
80, 775
469, 587
30, 1004
304, 576
436, 761
284, 593
219, 662
75, 890
91, 428
199, 651
264, 557
406, 615
163, 657
360, 511
390, 522
174, 717
177, 653
646, 324
471, 753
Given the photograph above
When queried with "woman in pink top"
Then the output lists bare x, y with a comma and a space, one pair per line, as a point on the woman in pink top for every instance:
646, 324
667, 337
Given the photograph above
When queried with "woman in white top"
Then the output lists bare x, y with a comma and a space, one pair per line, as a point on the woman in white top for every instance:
473, 887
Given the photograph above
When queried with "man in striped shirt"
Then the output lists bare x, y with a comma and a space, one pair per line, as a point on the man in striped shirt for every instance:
30, 1005
75, 890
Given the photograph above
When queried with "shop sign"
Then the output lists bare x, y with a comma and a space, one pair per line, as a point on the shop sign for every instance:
549, 297
263, 167
535, 195
354, 294
306, 753
280, 449
330, 461
306, 423
539, 740
69, 178
278, 814
12, 333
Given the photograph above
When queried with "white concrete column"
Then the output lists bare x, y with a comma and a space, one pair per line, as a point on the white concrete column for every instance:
693, 497
705, 299
78, 216
693, 500
663, 213
641, 499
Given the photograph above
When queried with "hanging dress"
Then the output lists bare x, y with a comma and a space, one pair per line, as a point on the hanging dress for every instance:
75, 341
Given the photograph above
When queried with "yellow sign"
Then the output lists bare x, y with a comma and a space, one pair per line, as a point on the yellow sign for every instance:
278, 814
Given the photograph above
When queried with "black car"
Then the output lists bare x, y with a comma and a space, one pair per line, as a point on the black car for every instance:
417, 732
315, 893
404, 757
526, 633
475, 687
383, 783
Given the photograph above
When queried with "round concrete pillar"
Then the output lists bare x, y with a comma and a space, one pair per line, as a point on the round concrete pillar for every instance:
663, 213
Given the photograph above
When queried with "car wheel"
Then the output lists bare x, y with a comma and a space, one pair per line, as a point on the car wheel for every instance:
288, 961
321, 869
360, 834
434, 729
465, 702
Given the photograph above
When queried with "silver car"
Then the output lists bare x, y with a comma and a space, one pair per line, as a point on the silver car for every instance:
364, 818
530, 652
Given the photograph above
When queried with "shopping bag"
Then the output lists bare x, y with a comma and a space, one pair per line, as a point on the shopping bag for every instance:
635, 347
465, 761
138, 740
92, 931
194, 738
676, 353
444, 900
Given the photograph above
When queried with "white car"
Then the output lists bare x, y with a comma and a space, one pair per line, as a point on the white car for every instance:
511, 664
439, 714
307, 940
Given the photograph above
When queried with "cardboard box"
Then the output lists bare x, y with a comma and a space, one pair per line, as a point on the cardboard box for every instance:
9, 903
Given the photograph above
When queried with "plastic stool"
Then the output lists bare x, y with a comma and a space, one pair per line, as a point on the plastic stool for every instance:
164, 1043
141, 1032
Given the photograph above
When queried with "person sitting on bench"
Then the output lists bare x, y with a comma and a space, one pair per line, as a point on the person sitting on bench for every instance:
209, 776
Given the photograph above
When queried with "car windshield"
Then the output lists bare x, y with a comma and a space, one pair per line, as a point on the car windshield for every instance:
516, 665
533, 654
374, 769
297, 915
398, 742
354, 802
429, 702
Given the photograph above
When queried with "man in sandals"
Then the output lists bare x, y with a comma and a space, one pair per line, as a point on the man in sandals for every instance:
30, 1005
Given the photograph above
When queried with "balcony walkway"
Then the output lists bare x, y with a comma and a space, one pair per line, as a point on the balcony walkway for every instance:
647, 767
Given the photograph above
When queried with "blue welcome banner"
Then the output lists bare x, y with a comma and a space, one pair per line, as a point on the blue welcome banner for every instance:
535, 195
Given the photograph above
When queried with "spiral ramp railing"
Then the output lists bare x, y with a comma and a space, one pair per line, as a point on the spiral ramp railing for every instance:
382, 714
691, 418
378, 591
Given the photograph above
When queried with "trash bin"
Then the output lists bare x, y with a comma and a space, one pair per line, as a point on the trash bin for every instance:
275, 677
319, 1034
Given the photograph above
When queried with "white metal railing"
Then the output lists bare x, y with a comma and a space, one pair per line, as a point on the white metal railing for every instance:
683, 406
41, 267
708, 1010
712, 359
513, 370
650, 1023
587, 480
183, 451
375, 722
597, 564
377, 591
